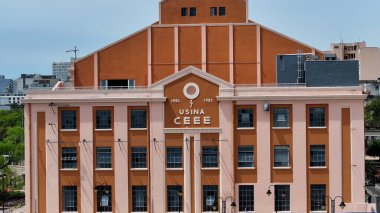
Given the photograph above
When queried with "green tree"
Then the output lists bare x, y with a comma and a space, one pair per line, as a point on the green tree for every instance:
373, 148
372, 113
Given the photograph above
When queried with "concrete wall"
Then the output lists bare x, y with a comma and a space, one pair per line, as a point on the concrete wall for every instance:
369, 58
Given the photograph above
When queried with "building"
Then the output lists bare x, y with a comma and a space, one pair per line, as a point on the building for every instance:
30, 81
11, 99
5, 85
346, 51
189, 109
61, 70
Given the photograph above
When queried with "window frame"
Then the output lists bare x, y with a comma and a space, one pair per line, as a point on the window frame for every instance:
222, 11
103, 164
176, 155
208, 155
243, 202
282, 203
137, 125
139, 198
281, 111
314, 158
321, 123
184, 11
281, 148
139, 152
193, 11
74, 124
65, 192
172, 196
208, 191
69, 165
318, 198
213, 11
99, 196
103, 123
244, 164
245, 125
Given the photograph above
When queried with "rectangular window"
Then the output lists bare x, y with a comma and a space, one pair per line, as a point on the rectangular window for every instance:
183, 11
193, 11
174, 157
282, 198
318, 197
138, 118
139, 199
210, 157
103, 157
213, 11
210, 195
70, 199
281, 117
69, 158
103, 119
68, 119
138, 157
281, 156
245, 156
222, 11
246, 198
104, 198
174, 198
317, 155
317, 117
245, 118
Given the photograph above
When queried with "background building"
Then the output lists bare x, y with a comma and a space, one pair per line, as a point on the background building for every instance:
6, 85
61, 70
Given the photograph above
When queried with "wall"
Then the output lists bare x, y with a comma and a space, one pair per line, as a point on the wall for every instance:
369, 59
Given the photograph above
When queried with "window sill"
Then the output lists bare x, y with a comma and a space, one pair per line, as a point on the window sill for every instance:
174, 169
317, 167
245, 128
318, 211
69, 170
139, 169
246, 211
317, 127
69, 212
103, 130
69, 130
103, 169
138, 129
282, 168
246, 168
281, 127
283, 212
211, 168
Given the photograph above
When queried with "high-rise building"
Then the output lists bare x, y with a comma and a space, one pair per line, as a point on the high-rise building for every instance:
194, 108
346, 51
6, 85
61, 70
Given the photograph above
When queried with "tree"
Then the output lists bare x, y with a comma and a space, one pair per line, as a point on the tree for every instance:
373, 148
372, 113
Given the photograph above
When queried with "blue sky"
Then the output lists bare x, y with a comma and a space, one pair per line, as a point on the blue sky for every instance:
35, 33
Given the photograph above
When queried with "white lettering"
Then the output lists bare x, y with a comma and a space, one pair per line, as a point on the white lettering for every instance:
207, 120
181, 111
186, 120
197, 120
176, 121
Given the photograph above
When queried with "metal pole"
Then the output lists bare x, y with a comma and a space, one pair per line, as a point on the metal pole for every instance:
332, 205
224, 205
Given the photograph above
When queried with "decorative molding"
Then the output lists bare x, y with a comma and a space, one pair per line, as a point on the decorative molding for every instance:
192, 130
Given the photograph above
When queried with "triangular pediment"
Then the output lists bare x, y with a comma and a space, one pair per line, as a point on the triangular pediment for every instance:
195, 71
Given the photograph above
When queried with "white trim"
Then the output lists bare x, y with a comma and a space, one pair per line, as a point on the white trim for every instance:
149, 55
245, 128
246, 168
231, 52
176, 49
318, 211
192, 130
103, 130
138, 169
317, 127
282, 168
138, 129
291, 97
174, 169
317, 167
204, 47
281, 127
210, 168
258, 53
69, 170
68, 130
96, 69
103, 169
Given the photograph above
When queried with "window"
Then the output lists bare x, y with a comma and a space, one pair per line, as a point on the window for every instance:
281, 156
193, 11
317, 155
282, 198
103, 119
174, 198
222, 11
174, 157
103, 158
317, 117
68, 119
210, 157
213, 11
69, 196
246, 198
318, 197
281, 117
210, 195
117, 84
245, 118
69, 158
138, 118
183, 11
104, 198
245, 156
138, 157
139, 200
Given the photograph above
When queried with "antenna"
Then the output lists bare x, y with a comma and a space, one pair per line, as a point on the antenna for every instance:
75, 50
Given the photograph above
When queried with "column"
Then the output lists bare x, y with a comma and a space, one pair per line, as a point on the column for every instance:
187, 174
197, 174
28, 157
335, 150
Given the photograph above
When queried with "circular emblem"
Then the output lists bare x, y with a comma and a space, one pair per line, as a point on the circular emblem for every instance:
191, 90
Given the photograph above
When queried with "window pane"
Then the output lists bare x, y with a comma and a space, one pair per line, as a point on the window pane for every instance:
210, 157
138, 157
245, 118
193, 11
210, 195
184, 11
245, 156
138, 118
69, 158
104, 198
282, 198
69, 119
139, 199
103, 119
281, 117
246, 198
317, 155
281, 156
174, 198
213, 11
103, 157
222, 11
317, 117
174, 157
69, 196
318, 197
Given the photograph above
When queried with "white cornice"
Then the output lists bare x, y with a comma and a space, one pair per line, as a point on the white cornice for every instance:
192, 130
292, 98
94, 100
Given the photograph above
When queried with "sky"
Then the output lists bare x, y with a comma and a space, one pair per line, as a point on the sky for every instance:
36, 33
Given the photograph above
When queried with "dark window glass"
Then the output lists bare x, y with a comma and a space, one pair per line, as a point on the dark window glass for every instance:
281, 156
282, 198
246, 198
245, 156
69, 119
183, 11
69, 158
281, 117
174, 198
210, 157
213, 11
222, 11
210, 195
138, 157
174, 157
104, 198
193, 11
103, 157
139, 199
69, 196
245, 118
317, 155
103, 119
138, 118
317, 117
318, 197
